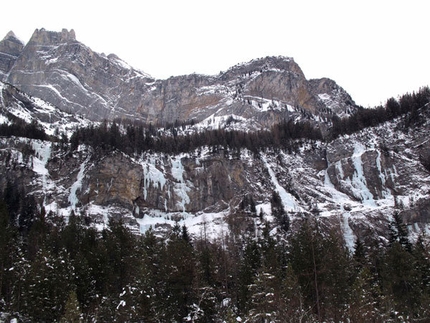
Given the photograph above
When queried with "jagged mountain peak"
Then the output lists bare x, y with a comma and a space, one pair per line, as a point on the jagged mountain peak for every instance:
267, 62
57, 68
10, 48
45, 37
11, 44
10, 36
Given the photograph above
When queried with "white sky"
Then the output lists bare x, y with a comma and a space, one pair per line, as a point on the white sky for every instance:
374, 49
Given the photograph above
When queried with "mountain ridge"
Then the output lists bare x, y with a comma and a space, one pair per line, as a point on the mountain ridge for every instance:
253, 195
59, 69
104, 162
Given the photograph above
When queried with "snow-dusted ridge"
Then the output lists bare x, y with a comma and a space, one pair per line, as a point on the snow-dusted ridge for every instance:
72, 77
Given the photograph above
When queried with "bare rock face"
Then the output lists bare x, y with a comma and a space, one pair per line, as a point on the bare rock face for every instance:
263, 91
355, 182
10, 48
45, 37
418, 215
59, 69
332, 96
115, 180
351, 171
62, 71
276, 79
216, 182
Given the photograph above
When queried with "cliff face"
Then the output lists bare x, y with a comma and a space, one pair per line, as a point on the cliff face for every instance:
355, 182
64, 72
57, 68
10, 48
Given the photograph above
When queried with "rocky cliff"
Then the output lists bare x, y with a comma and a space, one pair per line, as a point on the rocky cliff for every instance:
57, 68
354, 182
10, 48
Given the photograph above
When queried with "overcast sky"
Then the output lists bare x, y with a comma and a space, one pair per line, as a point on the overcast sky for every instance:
374, 49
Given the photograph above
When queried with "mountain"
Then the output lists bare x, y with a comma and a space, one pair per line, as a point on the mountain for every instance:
355, 182
253, 195
353, 179
57, 68
10, 48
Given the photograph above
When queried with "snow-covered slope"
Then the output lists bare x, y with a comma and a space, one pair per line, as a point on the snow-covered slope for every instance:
17, 104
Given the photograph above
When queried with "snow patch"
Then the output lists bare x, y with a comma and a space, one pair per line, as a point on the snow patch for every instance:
348, 234
4, 120
77, 185
212, 89
339, 169
358, 182
263, 105
217, 122
209, 225
151, 175
42, 154
181, 189
289, 201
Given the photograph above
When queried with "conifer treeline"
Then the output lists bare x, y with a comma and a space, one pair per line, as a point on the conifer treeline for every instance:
20, 128
138, 137
51, 272
408, 105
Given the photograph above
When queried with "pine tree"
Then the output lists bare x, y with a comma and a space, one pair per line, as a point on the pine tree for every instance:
399, 232
18, 276
122, 261
47, 286
295, 309
401, 281
12, 198
359, 256
248, 268
178, 272
421, 253
278, 211
337, 273
363, 301
264, 304
8, 249
28, 214
306, 256
72, 313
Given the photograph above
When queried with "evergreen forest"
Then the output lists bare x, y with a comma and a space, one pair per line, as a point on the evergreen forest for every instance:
57, 272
